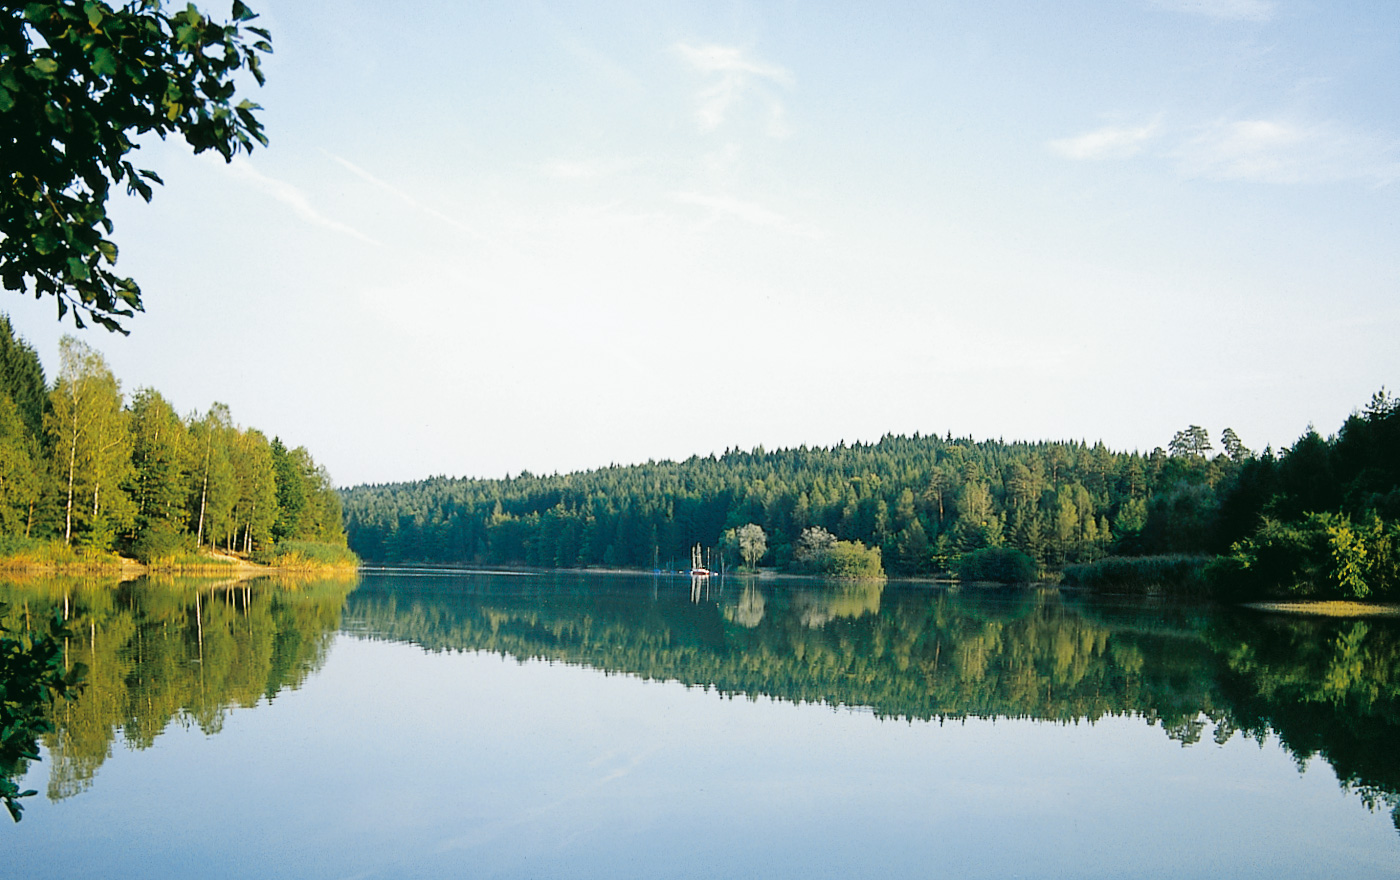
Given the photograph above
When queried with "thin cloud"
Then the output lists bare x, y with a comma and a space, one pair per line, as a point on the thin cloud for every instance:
749, 212
1279, 151
735, 75
406, 198
1228, 10
293, 198
1111, 142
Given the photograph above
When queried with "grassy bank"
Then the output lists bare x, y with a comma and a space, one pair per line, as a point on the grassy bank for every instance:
54, 556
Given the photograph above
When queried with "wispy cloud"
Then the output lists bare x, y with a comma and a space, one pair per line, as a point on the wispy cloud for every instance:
407, 198
1111, 142
1267, 150
293, 198
734, 74
1234, 10
749, 212
1281, 151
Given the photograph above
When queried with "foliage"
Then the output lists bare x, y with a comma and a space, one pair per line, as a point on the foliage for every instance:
1194, 441
752, 543
1323, 555
32, 677
22, 378
852, 559
135, 477
1002, 565
1176, 574
817, 551
920, 500
79, 81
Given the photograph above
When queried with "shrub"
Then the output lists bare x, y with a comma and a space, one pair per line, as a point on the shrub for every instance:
161, 543
1002, 565
852, 559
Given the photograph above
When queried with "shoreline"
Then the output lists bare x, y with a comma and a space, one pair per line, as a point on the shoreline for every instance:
1327, 608
125, 568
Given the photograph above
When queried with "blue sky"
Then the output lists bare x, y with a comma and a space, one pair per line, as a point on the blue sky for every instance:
495, 237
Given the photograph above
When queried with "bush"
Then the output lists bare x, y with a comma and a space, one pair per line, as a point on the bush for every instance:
161, 543
1142, 574
1002, 565
852, 559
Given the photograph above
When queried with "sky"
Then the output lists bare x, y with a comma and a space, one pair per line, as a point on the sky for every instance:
488, 238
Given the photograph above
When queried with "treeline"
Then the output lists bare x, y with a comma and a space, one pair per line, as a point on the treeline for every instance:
1321, 518
84, 466
922, 501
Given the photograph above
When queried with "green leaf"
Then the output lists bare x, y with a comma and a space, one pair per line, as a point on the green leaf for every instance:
241, 12
7, 101
47, 67
45, 242
108, 250
94, 14
78, 269
104, 63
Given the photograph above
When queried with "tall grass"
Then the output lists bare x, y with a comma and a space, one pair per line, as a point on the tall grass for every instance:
23, 553
1142, 574
300, 555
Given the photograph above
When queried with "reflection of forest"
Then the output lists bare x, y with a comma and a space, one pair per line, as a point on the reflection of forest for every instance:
159, 650
1324, 687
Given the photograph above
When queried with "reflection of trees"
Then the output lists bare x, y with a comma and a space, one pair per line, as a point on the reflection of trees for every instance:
1323, 687
1326, 688
748, 613
171, 650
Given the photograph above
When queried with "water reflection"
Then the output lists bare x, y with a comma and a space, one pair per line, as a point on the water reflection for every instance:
163, 652
1326, 688
159, 651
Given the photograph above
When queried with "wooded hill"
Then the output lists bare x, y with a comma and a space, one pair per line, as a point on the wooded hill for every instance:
928, 503
84, 466
923, 500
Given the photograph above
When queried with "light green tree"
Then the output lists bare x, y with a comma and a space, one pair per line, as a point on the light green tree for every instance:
255, 510
88, 436
209, 485
753, 543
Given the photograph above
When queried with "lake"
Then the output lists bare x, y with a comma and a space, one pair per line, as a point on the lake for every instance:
432, 724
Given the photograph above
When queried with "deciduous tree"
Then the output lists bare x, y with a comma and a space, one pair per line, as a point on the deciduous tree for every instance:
79, 80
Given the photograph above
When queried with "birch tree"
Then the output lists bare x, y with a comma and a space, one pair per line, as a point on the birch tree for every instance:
89, 441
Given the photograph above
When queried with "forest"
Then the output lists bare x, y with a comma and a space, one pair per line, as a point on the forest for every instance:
1320, 518
86, 471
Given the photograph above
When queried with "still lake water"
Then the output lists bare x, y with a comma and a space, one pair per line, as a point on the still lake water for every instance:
419, 724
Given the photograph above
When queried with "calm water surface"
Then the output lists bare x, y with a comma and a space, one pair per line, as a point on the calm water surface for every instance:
416, 724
